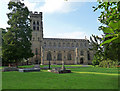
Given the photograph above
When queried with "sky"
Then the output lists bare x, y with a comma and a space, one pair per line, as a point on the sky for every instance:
61, 18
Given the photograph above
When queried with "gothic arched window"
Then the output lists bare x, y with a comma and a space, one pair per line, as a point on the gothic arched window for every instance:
69, 56
77, 45
59, 56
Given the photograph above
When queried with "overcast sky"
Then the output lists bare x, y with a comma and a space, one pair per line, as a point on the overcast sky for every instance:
61, 19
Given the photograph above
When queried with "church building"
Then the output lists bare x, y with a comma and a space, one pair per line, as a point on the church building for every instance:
57, 50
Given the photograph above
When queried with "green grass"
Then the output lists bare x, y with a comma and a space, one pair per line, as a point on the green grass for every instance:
30, 66
81, 78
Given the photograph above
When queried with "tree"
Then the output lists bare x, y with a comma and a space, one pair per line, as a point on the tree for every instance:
17, 39
110, 20
99, 50
2, 46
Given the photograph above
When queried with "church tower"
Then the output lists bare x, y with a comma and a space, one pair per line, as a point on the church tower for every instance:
37, 36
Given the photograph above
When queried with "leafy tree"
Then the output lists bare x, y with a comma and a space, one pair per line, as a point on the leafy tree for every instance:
2, 45
99, 50
17, 39
110, 20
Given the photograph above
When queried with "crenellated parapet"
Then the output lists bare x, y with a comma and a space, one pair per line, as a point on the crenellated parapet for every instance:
36, 14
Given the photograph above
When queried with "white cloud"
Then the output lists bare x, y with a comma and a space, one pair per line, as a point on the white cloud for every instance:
30, 5
49, 6
71, 35
76, 35
52, 6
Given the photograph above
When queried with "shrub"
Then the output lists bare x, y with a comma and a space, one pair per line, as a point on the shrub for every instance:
108, 63
95, 62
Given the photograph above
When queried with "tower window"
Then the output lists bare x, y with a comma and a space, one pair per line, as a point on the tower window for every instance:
37, 22
38, 28
34, 23
33, 27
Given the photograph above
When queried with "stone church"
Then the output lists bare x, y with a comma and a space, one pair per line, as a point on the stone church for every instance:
57, 50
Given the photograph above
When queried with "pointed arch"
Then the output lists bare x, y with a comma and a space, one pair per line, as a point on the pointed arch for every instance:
33, 22
38, 23
59, 56
69, 57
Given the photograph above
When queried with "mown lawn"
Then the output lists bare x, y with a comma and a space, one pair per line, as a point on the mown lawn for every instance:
30, 66
81, 78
